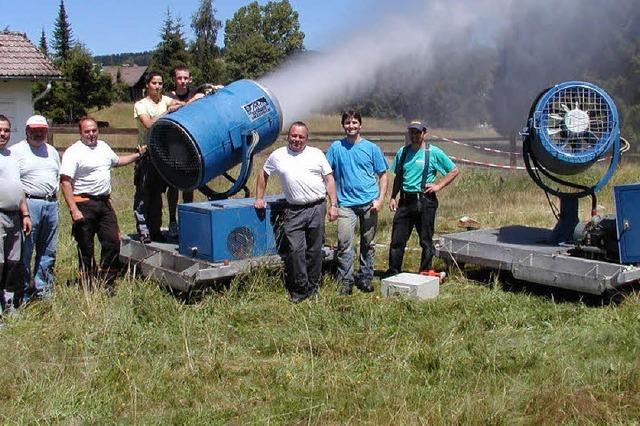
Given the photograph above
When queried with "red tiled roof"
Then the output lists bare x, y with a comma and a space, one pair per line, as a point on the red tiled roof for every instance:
129, 75
21, 59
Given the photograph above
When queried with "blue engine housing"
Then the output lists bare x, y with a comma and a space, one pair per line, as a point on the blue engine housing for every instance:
232, 229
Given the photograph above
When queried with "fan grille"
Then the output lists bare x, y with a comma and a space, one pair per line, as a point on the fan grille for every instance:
241, 242
175, 154
577, 120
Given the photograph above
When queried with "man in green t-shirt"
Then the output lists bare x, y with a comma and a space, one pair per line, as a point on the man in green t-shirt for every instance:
416, 166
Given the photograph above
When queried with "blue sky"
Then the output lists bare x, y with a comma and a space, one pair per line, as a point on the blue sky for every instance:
117, 26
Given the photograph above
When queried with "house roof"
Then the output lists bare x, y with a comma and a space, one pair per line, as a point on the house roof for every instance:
129, 75
21, 59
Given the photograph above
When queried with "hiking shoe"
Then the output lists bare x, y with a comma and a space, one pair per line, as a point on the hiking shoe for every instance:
365, 287
173, 230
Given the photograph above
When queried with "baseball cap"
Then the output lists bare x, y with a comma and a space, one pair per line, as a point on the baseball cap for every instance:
37, 121
418, 125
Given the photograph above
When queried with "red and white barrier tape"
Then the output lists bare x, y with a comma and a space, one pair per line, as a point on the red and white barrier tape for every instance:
498, 151
483, 164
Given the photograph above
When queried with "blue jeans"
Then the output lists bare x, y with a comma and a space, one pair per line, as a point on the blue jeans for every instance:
44, 239
347, 217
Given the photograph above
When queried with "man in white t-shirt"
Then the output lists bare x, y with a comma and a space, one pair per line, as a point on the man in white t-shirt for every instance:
14, 220
85, 179
306, 179
147, 199
39, 172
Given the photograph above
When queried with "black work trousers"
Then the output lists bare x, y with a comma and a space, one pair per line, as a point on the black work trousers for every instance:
414, 210
147, 199
304, 234
99, 218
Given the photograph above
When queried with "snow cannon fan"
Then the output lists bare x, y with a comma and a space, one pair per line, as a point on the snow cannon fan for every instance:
210, 136
570, 127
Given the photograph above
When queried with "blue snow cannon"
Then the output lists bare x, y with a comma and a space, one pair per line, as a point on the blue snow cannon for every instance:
208, 137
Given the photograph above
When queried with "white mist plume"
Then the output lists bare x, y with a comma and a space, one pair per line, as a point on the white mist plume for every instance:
402, 40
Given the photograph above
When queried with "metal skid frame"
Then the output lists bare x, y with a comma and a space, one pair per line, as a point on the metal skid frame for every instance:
527, 254
162, 262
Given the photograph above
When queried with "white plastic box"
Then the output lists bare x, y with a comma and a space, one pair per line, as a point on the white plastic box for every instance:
413, 286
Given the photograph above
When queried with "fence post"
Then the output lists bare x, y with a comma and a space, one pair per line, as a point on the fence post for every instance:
513, 160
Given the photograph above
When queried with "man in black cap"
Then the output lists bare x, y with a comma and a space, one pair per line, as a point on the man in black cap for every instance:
416, 166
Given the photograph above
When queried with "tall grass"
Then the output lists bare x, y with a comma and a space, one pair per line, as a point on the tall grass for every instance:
486, 351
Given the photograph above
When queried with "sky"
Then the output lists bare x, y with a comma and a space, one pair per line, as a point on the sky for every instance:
118, 26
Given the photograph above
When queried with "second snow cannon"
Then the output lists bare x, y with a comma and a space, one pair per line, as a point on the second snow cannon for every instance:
208, 137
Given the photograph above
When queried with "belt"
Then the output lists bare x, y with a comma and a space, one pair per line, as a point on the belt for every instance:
85, 197
304, 206
42, 197
414, 196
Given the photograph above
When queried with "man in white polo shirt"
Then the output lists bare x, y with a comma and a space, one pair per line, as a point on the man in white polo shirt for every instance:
39, 165
306, 179
85, 178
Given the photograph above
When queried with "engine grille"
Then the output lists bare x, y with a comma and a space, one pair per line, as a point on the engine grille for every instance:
175, 154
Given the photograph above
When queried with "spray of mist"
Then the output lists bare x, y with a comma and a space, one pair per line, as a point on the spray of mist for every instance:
535, 44
402, 42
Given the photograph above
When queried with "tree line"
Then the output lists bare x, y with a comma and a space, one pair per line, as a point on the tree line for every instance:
257, 39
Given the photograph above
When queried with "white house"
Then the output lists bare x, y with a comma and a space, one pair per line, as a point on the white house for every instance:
21, 64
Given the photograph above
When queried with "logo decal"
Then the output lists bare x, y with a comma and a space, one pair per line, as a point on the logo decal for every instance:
257, 108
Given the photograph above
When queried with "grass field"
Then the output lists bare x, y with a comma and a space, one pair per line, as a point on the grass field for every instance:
486, 351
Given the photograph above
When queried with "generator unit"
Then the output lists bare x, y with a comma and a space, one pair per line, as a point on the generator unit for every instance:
228, 230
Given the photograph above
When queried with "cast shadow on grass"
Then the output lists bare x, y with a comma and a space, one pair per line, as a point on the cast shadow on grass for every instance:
505, 281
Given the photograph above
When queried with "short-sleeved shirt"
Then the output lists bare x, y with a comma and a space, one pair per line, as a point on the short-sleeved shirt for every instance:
439, 162
39, 168
89, 167
11, 192
152, 109
301, 173
356, 167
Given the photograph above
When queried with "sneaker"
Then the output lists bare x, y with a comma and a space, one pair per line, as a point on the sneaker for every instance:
144, 238
173, 230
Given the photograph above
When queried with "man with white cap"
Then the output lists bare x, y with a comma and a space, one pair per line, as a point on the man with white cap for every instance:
416, 166
39, 165
14, 220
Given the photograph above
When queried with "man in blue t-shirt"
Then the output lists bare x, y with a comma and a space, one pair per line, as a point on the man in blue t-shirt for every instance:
360, 172
416, 183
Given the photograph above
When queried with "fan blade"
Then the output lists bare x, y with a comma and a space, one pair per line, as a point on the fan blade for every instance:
554, 130
565, 108
556, 116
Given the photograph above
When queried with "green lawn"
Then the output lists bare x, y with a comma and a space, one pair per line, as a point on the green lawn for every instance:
483, 352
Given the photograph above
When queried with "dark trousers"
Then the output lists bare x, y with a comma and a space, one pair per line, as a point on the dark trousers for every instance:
147, 199
419, 211
304, 234
100, 219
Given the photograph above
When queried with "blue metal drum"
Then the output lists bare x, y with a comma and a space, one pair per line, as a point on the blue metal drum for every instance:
207, 137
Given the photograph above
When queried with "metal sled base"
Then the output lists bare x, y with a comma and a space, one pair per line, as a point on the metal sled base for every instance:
523, 251
162, 262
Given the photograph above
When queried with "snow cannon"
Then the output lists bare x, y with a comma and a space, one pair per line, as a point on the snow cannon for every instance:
208, 137
570, 127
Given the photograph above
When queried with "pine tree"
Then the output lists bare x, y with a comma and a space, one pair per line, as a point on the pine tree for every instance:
62, 35
43, 44
204, 50
172, 49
